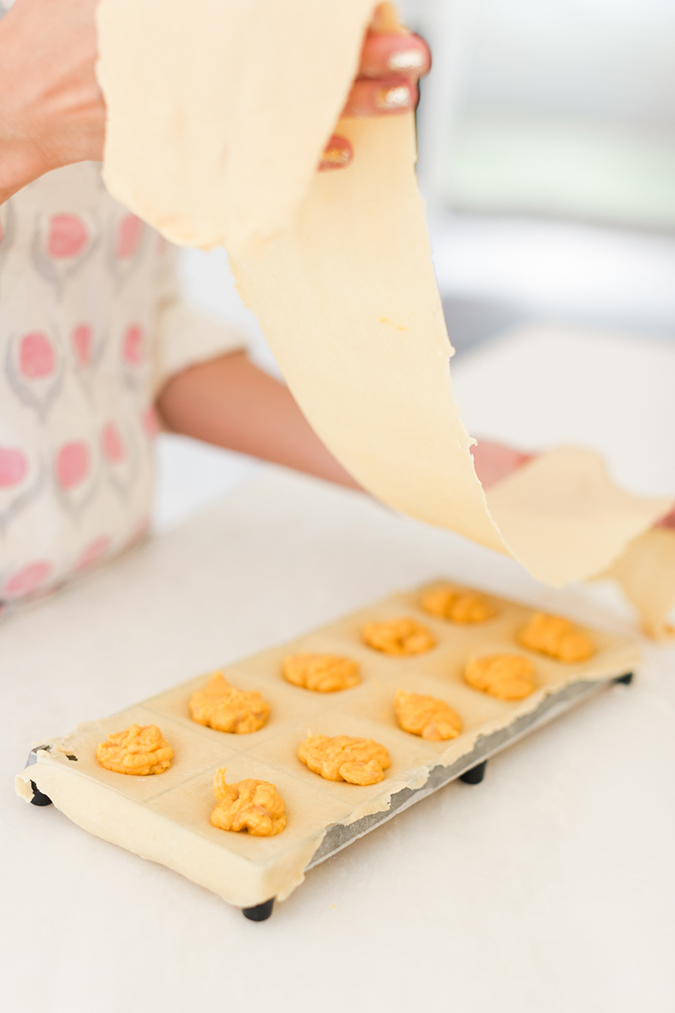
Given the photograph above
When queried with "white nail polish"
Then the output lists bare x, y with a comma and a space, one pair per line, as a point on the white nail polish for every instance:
398, 97
406, 59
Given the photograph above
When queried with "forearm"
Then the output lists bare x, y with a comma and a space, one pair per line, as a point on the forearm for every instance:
232, 404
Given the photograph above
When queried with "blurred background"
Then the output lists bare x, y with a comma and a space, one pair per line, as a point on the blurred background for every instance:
547, 161
547, 158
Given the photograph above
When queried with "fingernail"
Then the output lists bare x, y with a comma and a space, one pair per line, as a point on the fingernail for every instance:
337, 155
406, 59
398, 97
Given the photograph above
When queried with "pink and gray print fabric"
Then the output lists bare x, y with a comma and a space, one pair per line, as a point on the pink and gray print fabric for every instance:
81, 287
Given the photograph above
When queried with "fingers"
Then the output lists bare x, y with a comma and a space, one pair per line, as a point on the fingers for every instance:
337, 155
390, 67
378, 98
384, 55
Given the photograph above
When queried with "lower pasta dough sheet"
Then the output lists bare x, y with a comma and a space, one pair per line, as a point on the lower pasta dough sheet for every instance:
219, 144
165, 817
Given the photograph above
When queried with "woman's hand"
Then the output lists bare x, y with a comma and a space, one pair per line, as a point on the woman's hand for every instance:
391, 65
495, 461
52, 111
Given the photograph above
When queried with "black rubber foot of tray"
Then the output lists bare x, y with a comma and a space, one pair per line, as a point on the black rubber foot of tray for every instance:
625, 679
259, 913
39, 798
475, 775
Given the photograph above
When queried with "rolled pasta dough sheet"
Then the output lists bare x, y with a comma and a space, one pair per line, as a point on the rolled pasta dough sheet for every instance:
349, 304
219, 110
216, 139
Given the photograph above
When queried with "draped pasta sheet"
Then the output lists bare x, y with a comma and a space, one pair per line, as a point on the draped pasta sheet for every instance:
217, 143
218, 110
646, 573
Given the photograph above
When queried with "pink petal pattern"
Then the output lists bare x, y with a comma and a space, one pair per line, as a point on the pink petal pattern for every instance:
72, 464
132, 346
150, 421
82, 336
129, 234
13, 467
67, 237
76, 386
28, 579
37, 356
93, 552
113, 445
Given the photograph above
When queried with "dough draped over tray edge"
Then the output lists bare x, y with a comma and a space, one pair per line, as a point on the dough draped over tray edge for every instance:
133, 825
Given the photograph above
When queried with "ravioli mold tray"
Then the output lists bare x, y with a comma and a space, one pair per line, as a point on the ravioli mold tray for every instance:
165, 817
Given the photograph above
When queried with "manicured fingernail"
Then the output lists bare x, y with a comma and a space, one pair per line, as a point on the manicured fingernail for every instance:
398, 97
406, 59
337, 154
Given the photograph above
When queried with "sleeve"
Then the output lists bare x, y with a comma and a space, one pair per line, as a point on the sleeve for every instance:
186, 335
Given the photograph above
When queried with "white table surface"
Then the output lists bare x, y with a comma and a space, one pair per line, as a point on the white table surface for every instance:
550, 888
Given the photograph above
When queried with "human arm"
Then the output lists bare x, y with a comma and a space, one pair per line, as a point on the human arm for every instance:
495, 461
231, 403
52, 111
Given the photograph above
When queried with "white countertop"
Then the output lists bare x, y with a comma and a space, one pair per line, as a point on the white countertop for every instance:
547, 889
